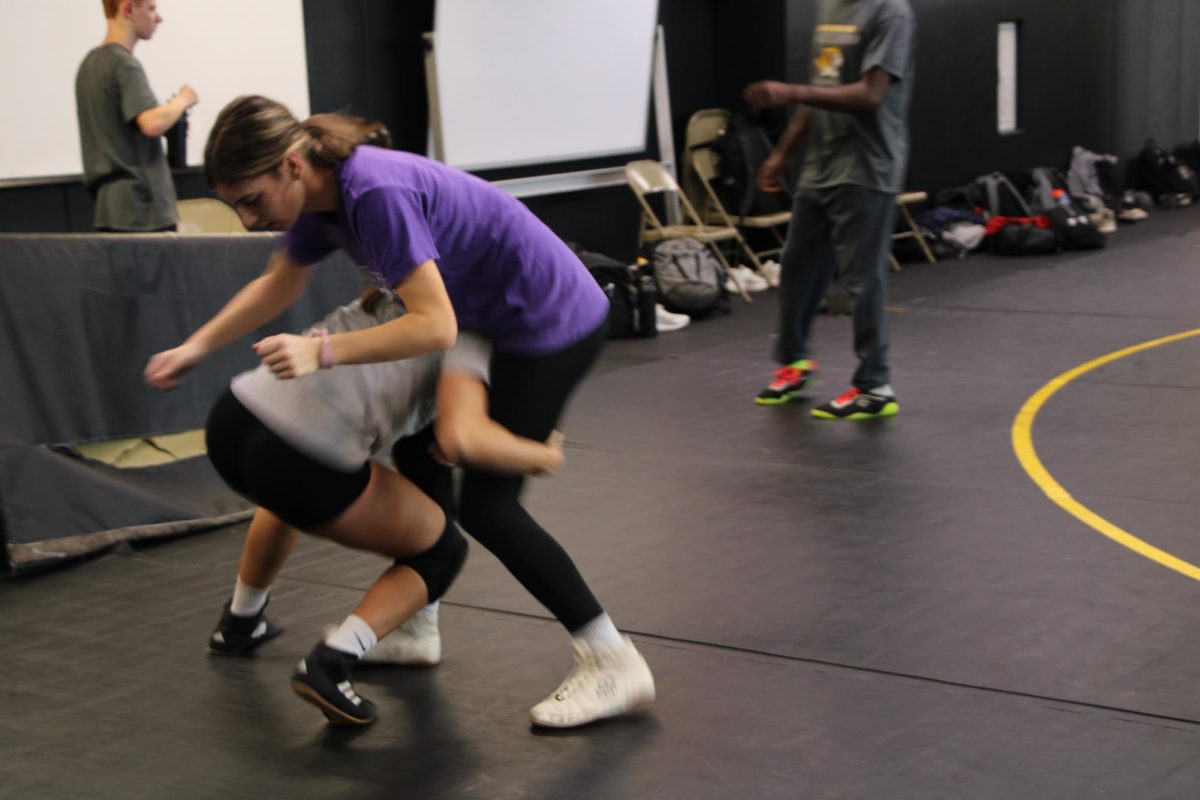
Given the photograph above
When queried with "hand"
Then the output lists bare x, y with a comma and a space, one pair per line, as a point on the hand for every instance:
187, 95
555, 458
164, 369
770, 174
436, 453
289, 356
766, 94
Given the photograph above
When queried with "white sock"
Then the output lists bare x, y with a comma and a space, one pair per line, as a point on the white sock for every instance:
431, 611
247, 600
601, 629
883, 391
354, 636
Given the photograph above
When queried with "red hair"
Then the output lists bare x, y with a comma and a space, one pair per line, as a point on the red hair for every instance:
112, 7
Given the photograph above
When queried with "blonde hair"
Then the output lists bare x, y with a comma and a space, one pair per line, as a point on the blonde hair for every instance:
253, 134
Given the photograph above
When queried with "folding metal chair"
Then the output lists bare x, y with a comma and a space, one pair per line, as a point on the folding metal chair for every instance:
903, 200
647, 178
704, 164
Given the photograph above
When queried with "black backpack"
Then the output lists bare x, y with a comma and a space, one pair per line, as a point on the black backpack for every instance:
1163, 175
1023, 239
1075, 228
631, 295
689, 277
741, 149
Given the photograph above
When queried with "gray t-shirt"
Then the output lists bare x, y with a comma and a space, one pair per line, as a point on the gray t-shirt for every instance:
125, 170
867, 148
343, 416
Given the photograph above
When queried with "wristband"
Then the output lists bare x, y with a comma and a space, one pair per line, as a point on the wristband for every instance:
325, 355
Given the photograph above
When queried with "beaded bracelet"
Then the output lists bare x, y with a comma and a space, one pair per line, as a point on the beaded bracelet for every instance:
325, 355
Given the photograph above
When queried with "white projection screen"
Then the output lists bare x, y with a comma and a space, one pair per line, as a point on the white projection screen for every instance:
522, 82
223, 48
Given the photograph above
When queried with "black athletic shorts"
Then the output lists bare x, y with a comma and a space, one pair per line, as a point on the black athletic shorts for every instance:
269, 472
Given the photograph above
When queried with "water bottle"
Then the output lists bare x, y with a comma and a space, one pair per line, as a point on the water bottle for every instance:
177, 143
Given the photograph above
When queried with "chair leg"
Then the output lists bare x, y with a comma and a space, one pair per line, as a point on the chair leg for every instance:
729, 273
895, 263
917, 233
754, 260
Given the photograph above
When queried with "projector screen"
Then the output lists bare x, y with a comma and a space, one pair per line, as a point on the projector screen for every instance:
541, 81
223, 48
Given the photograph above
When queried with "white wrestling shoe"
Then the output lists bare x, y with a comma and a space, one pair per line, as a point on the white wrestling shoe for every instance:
416, 643
608, 680
770, 271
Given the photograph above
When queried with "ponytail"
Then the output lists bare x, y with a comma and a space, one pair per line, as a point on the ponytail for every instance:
333, 137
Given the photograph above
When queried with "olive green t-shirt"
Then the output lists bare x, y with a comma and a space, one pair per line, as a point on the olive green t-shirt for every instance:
125, 170
866, 148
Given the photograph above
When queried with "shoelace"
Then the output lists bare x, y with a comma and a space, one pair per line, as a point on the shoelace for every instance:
575, 679
845, 397
571, 684
788, 375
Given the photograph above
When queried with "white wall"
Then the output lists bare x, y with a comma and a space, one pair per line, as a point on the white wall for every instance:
538, 81
223, 48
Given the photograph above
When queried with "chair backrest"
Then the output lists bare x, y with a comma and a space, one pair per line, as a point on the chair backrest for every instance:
649, 177
704, 161
703, 128
704, 165
705, 125
206, 215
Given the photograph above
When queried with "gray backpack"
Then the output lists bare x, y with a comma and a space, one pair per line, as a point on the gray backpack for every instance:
1000, 198
690, 279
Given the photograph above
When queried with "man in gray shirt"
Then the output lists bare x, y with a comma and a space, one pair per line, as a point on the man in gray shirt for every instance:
121, 125
852, 117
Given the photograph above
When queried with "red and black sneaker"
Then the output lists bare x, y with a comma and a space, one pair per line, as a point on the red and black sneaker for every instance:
857, 404
788, 382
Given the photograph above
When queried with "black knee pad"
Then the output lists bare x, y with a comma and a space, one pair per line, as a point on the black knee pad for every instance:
439, 565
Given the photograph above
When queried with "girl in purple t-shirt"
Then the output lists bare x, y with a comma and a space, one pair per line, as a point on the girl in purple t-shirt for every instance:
455, 251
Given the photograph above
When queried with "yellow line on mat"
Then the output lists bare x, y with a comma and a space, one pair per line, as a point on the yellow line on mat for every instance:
1022, 440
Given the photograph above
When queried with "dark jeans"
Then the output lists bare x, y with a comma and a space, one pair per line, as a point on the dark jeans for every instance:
843, 235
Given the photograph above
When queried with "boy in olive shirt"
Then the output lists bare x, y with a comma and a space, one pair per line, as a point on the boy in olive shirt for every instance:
121, 125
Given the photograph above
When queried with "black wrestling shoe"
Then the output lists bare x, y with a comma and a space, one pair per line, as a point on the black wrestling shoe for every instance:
857, 404
323, 679
787, 381
240, 636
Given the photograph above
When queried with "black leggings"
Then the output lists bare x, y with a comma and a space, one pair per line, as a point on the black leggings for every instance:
527, 395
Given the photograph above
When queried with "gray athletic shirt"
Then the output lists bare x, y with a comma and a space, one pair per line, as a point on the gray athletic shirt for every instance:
868, 148
125, 170
342, 416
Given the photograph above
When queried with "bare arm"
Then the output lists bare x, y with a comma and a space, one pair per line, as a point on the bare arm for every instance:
154, 122
428, 324
258, 302
467, 435
864, 95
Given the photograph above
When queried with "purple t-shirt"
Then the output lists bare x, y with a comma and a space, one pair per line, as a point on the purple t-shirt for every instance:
508, 276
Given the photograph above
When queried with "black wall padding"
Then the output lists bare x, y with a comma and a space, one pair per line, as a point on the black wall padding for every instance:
56, 504
81, 315
79, 318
